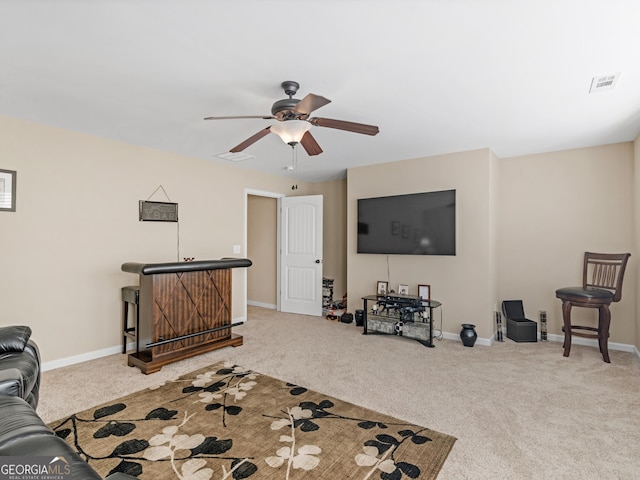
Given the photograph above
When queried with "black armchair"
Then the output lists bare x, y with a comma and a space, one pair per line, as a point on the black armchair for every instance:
19, 364
22, 431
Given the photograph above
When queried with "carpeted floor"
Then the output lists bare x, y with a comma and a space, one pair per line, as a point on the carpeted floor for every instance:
226, 421
518, 410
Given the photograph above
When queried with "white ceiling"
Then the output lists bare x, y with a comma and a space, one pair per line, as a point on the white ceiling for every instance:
435, 76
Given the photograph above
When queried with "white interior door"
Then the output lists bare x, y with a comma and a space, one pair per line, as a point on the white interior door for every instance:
300, 273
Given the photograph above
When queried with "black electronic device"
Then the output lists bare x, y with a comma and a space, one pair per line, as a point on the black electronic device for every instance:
406, 306
346, 318
403, 300
412, 224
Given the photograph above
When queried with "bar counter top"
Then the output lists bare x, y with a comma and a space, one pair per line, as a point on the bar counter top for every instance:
174, 267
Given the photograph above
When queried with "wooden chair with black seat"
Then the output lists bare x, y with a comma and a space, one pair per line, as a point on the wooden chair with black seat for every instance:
602, 277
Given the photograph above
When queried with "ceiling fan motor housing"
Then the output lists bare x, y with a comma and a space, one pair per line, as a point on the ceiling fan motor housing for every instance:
290, 87
284, 109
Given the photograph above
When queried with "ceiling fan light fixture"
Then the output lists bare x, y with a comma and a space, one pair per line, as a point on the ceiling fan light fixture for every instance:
291, 131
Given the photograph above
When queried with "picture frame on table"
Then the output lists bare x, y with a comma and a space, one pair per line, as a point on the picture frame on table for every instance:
403, 289
7, 190
424, 291
382, 288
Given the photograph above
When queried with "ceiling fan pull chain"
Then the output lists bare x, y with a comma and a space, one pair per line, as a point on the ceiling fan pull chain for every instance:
295, 167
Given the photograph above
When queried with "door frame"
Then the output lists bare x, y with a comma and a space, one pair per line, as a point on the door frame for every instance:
277, 196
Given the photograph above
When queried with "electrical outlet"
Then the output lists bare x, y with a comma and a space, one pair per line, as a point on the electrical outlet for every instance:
237, 249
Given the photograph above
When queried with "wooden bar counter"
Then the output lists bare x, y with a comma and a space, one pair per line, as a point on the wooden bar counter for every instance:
185, 310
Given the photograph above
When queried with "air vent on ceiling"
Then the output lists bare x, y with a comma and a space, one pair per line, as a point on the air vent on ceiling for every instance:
602, 83
235, 157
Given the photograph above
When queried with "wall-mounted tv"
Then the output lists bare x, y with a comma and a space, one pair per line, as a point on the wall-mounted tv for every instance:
414, 224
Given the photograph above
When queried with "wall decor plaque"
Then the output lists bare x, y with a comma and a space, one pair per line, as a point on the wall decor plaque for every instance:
158, 211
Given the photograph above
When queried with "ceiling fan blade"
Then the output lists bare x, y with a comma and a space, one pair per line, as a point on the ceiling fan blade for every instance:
310, 145
342, 125
310, 103
251, 140
241, 116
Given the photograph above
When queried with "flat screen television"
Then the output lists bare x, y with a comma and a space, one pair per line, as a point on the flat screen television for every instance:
413, 224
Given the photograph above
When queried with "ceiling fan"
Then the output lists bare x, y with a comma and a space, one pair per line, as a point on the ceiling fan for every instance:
293, 115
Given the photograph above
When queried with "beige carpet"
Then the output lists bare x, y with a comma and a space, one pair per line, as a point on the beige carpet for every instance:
518, 410
228, 421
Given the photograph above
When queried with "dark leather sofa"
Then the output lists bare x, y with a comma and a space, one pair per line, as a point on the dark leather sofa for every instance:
22, 431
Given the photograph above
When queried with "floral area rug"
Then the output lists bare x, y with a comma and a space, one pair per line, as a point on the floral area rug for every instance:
229, 422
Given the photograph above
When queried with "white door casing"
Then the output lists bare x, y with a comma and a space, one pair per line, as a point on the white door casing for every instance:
300, 278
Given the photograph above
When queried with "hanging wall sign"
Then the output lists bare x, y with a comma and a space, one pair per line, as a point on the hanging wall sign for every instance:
7, 191
158, 211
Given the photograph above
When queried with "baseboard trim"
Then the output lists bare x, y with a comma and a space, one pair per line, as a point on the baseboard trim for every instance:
105, 352
486, 342
622, 347
260, 304
84, 357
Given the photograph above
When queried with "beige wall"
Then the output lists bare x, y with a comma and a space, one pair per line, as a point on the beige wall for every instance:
262, 241
464, 283
77, 222
555, 206
636, 222
334, 237
494, 222
262, 247
523, 226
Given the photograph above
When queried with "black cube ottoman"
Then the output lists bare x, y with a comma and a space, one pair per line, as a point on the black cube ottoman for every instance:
519, 328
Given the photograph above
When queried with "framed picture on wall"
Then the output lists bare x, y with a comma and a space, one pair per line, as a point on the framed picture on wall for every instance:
403, 289
382, 288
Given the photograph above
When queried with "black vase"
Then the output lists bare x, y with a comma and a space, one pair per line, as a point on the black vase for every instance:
468, 334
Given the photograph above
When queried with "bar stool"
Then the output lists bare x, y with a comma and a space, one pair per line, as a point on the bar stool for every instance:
130, 294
